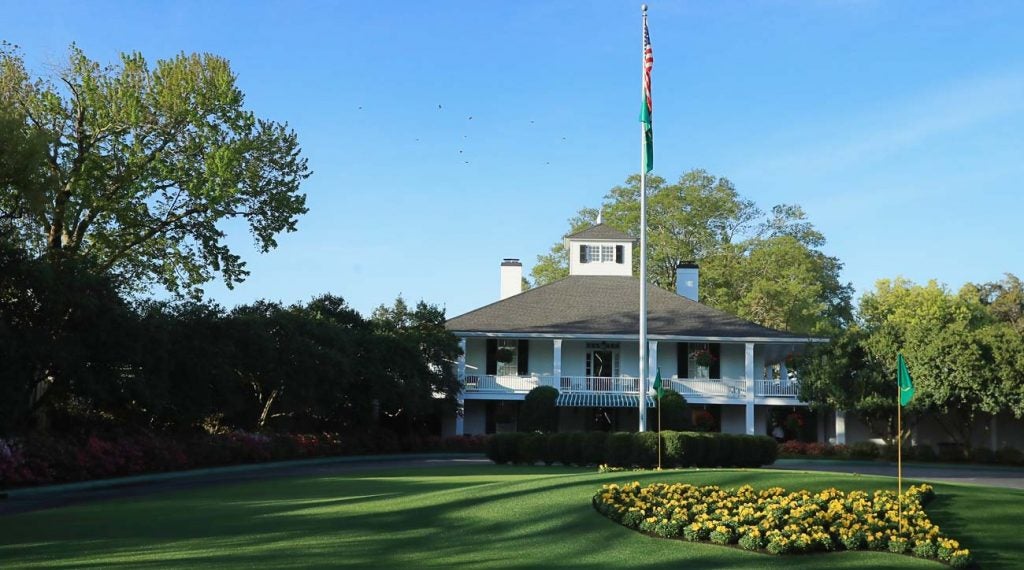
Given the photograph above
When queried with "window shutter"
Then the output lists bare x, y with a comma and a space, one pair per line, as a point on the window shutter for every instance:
492, 356
715, 371
682, 360
583, 253
524, 357
620, 254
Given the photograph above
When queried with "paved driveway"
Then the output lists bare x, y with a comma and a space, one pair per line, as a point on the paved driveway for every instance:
974, 474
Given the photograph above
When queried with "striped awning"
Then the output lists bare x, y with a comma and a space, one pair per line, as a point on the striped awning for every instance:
577, 400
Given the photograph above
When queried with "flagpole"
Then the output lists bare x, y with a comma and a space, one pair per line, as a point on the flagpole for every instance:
899, 458
659, 431
643, 250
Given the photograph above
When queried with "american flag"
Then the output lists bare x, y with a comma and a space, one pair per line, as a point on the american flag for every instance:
648, 65
647, 106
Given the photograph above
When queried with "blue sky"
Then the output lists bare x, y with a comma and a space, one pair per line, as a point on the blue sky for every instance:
898, 126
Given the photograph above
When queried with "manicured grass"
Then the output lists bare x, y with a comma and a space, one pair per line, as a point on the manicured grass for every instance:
479, 516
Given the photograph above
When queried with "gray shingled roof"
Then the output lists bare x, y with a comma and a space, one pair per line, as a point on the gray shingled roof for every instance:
585, 304
601, 232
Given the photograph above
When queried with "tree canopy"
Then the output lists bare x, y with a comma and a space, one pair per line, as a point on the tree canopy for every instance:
765, 267
136, 166
964, 354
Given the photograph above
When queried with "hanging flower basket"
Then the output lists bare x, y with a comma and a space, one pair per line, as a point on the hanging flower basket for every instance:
504, 355
794, 422
703, 357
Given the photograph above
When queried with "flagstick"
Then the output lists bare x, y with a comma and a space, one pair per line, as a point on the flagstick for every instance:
643, 264
899, 460
659, 432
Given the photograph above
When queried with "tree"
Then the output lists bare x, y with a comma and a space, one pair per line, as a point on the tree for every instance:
764, 267
675, 414
66, 341
539, 412
416, 360
137, 167
963, 360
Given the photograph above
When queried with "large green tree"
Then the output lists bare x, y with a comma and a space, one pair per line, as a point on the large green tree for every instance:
766, 267
967, 360
137, 166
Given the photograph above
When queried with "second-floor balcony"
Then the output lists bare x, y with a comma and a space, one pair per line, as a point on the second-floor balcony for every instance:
727, 389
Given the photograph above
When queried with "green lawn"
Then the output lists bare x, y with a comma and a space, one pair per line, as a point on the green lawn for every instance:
479, 516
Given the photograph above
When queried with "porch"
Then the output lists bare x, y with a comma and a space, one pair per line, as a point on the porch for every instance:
487, 386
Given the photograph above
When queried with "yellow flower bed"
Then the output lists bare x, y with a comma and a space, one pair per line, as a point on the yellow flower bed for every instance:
780, 522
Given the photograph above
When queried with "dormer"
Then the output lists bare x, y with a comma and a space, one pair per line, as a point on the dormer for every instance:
600, 250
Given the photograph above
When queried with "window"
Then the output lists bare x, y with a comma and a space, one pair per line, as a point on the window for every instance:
599, 254
508, 357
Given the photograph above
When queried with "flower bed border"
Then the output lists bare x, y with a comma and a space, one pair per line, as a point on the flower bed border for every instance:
775, 521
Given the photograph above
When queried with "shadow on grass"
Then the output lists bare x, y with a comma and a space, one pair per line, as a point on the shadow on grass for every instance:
453, 517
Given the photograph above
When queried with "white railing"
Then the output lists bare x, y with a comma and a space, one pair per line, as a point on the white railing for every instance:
492, 383
599, 384
776, 388
688, 387
704, 387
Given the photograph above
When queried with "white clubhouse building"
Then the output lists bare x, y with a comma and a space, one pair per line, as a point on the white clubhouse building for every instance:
580, 335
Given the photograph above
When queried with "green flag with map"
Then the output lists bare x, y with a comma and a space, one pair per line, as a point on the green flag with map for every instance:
659, 386
903, 377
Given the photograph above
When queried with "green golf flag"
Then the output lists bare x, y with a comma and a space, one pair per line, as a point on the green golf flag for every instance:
659, 386
903, 377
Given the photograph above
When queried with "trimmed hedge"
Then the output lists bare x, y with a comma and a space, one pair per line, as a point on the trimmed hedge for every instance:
625, 449
43, 460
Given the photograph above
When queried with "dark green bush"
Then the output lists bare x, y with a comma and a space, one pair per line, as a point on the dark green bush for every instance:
675, 414
925, 452
595, 448
530, 448
673, 450
625, 449
1010, 456
574, 447
864, 450
538, 412
503, 448
620, 449
645, 449
554, 447
983, 454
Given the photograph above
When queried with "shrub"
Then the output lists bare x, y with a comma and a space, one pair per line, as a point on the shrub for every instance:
620, 449
573, 452
530, 448
645, 449
594, 448
554, 448
925, 452
538, 412
1010, 456
982, 454
952, 452
674, 412
863, 450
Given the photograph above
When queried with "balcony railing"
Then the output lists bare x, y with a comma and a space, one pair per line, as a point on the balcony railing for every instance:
704, 387
777, 388
688, 387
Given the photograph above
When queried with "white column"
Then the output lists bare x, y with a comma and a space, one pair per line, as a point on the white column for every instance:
460, 413
748, 375
556, 367
840, 427
783, 374
652, 357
